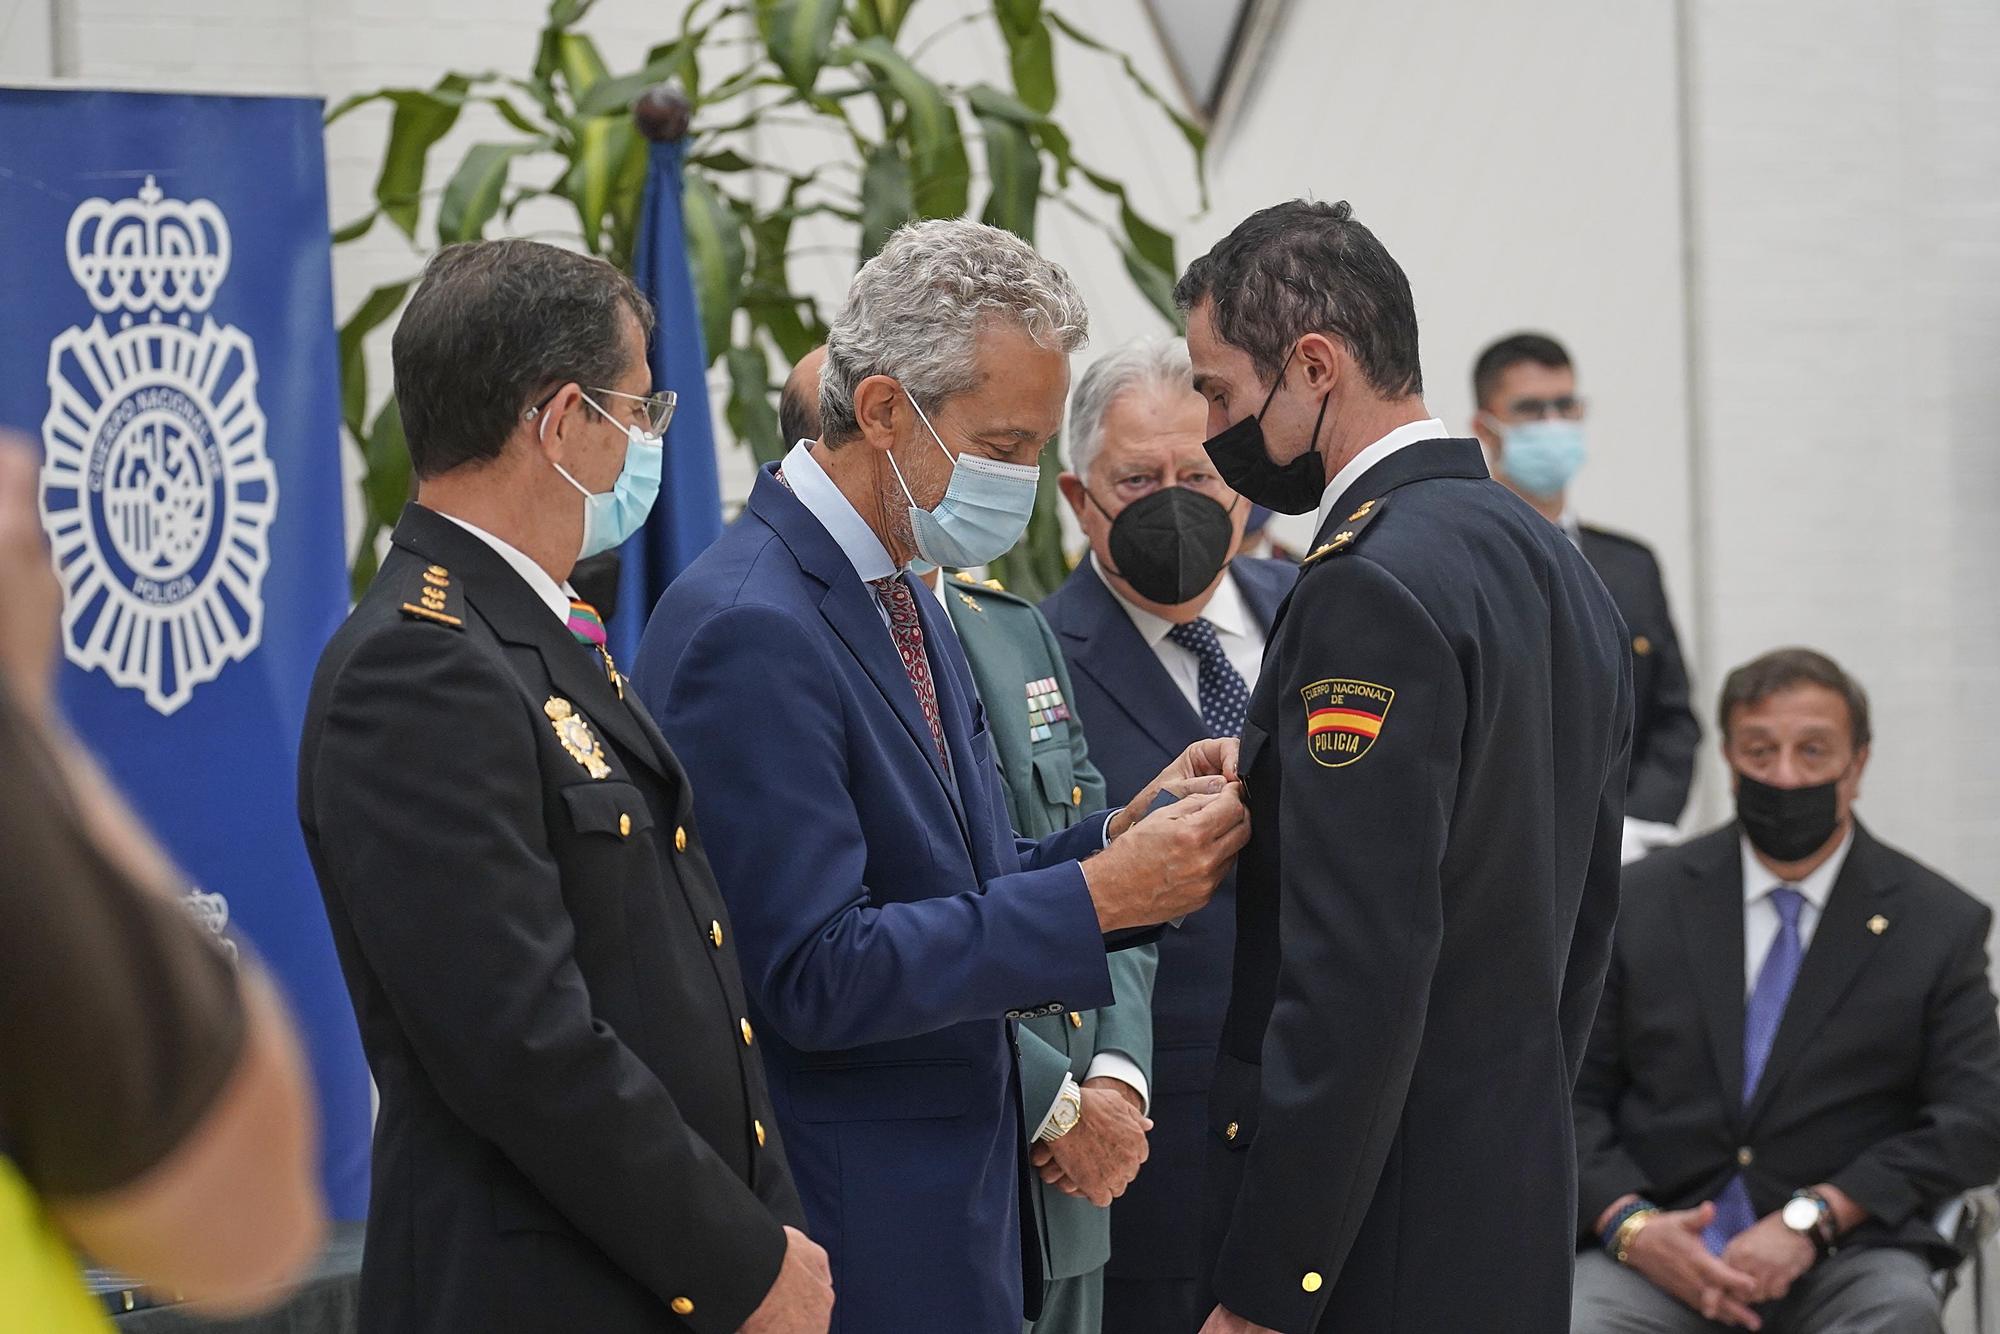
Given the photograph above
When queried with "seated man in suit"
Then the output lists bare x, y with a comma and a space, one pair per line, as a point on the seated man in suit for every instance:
1095, 1061
1165, 633
1795, 1062
1530, 420
890, 922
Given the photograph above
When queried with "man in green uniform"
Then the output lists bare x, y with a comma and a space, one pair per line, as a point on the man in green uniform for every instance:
1085, 1077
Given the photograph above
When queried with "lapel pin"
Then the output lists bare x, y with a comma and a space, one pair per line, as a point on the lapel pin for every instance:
1878, 924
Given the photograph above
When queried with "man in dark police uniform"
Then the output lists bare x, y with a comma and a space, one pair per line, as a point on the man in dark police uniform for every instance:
575, 1133
1435, 763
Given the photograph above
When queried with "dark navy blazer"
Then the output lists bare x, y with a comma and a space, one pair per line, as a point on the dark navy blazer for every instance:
1138, 722
887, 918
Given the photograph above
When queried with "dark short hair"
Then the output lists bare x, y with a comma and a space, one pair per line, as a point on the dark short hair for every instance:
1307, 267
798, 411
1783, 669
1510, 352
493, 327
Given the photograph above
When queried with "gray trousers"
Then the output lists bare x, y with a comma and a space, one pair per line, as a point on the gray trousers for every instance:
1872, 1291
1071, 1306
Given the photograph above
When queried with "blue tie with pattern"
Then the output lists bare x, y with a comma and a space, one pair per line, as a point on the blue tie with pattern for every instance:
1733, 1210
1224, 697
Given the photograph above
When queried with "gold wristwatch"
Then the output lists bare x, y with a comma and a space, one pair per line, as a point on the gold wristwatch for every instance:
1065, 1114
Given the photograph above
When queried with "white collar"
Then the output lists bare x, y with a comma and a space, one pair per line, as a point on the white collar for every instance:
830, 505
539, 581
1224, 609
1758, 879
1409, 433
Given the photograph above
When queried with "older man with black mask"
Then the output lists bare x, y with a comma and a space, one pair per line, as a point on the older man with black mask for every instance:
1163, 627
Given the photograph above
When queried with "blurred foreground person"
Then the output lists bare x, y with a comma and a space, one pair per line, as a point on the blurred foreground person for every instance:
1435, 762
1796, 1063
1164, 626
892, 923
1530, 419
154, 1107
574, 1132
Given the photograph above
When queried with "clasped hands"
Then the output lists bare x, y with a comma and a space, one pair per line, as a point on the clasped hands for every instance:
1098, 1158
1758, 1265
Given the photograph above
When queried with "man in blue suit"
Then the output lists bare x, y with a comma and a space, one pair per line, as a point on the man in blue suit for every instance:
889, 922
1164, 633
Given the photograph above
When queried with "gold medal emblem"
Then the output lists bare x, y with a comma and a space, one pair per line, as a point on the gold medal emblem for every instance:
576, 737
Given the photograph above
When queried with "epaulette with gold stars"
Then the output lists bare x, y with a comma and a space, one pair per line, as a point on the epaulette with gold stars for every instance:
1346, 535
432, 596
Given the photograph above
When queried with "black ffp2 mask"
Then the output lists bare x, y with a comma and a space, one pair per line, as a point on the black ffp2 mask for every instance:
1787, 824
1239, 455
1171, 544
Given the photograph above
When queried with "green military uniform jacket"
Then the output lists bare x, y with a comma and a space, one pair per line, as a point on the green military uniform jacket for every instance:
1050, 781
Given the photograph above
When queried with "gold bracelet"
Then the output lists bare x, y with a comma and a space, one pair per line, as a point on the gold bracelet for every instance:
1628, 1232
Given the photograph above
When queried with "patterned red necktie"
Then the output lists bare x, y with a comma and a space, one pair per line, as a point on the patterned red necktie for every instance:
908, 628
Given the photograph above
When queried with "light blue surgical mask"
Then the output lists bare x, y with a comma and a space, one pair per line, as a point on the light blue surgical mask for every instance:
986, 507
609, 517
1541, 457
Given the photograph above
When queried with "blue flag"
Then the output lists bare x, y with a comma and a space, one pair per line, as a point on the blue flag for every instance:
169, 337
689, 513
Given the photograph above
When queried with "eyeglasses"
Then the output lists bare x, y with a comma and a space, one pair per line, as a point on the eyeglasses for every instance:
658, 409
1568, 406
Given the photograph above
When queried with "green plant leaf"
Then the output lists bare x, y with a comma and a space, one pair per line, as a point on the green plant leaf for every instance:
473, 196
1014, 177
594, 169
1030, 51
752, 419
886, 198
878, 18
575, 58
357, 229
715, 259
376, 307
388, 458
420, 120
939, 170
562, 13
798, 34
1197, 138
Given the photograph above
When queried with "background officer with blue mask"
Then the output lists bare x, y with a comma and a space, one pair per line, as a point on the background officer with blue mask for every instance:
892, 923
1530, 420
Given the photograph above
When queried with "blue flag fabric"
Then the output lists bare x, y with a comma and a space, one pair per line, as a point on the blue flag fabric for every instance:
169, 337
689, 513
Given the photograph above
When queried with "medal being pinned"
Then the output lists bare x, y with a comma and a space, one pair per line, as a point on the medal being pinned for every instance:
576, 736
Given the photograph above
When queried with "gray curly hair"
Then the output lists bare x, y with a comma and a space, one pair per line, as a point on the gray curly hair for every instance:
916, 310
1144, 363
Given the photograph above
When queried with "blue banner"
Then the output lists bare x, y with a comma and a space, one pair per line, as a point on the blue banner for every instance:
169, 337
688, 515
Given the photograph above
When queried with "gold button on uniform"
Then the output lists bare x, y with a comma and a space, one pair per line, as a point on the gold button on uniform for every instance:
680, 838
1231, 1132
624, 825
715, 934
1744, 1157
682, 1306
1311, 1282
744, 1025
1076, 796
1075, 1019
758, 1126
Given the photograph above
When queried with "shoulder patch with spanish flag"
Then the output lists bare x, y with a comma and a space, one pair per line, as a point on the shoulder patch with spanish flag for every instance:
1343, 719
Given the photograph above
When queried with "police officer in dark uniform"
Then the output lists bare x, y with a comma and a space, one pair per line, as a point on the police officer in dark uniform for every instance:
574, 1130
1435, 761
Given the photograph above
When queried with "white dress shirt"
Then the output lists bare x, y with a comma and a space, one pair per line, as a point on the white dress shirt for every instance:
1409, 433
555, 595
1760, 915
1242, 639
1111, 1064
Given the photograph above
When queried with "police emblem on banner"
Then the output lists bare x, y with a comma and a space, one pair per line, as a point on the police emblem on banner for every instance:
1343, 719
156, 491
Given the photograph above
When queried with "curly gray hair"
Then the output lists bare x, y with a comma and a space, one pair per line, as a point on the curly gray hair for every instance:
916, 310
1142, 363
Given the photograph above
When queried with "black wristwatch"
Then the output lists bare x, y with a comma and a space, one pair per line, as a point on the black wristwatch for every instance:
1808, 1214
